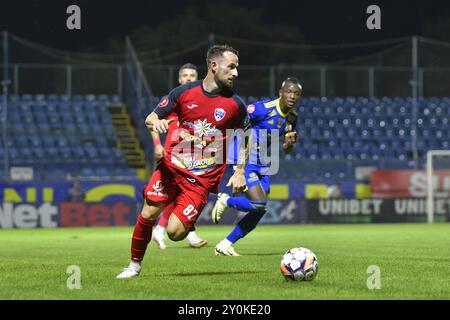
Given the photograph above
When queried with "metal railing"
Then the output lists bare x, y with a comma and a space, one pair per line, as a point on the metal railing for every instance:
262, 81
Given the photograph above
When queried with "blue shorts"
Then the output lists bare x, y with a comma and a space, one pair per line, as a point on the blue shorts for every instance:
253, 177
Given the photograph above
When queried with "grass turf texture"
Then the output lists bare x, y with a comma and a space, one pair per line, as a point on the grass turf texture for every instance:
414, 260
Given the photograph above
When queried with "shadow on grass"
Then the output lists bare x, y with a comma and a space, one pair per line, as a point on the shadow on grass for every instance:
259, 254
219, 273
262, 254
186, 247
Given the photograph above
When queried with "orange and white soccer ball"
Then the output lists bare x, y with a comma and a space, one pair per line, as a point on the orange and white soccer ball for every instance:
299, 264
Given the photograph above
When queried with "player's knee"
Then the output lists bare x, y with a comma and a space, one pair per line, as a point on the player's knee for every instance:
147, 214
260, 207
151, 210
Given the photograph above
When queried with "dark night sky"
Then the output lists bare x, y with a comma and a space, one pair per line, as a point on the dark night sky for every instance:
322, 22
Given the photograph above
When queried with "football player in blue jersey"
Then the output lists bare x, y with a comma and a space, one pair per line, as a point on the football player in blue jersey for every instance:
278, 114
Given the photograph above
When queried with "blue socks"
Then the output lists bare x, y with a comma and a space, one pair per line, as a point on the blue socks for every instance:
240, 203
256, 210
236, 234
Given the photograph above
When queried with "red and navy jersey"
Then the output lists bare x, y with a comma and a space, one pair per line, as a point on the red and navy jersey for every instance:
207, 117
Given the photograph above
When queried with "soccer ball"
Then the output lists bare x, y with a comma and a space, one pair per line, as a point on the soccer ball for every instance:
299, 264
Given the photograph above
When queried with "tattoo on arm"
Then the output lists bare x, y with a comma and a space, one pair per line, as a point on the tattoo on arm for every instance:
244, 153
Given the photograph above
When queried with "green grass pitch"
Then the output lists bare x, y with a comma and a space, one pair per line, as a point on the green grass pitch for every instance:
414, 262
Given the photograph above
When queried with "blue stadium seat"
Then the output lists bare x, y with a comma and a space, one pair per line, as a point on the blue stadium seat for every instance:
363, 130
38, 153
27, 98
87, 172
103, 99
102, 172
78, 152
124, 173
64, 98
77, 99
77, 107
90, 98
21, 141
66, 153
64, 107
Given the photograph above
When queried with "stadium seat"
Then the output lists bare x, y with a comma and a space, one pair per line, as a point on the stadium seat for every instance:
375, 130
103, 173
87, 172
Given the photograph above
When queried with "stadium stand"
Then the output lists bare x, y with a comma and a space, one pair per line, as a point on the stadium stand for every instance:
61, 135
350, 132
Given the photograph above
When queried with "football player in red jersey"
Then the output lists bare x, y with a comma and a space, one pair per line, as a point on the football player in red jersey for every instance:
195, 161
186, 73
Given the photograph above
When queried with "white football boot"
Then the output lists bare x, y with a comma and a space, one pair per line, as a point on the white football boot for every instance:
224, 249
131, 271
220, 207
158, 237
195, 241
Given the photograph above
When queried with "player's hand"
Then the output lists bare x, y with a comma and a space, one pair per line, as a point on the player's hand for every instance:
289, 127
159, 152
161, 125
237, 182
290, 138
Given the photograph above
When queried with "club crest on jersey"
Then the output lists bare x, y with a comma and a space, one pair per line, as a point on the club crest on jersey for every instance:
219, 114
280, 123
164, 102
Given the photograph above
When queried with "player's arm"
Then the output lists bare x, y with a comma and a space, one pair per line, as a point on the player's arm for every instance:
290, 136
289, 141
237, 180
156, 121
154, 124
158, 150
239, 168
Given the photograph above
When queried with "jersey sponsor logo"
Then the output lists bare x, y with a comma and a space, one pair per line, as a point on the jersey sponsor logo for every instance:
188, 124
250, 108
192, 106
157, 194
164, 102
193, 162
219, 114
203, 128
158, 187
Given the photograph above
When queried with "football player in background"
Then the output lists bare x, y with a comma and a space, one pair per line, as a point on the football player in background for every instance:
278, 114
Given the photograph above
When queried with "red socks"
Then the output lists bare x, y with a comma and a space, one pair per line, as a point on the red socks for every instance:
142, 235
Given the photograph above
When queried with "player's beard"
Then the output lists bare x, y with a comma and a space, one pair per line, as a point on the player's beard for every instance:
223, 84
